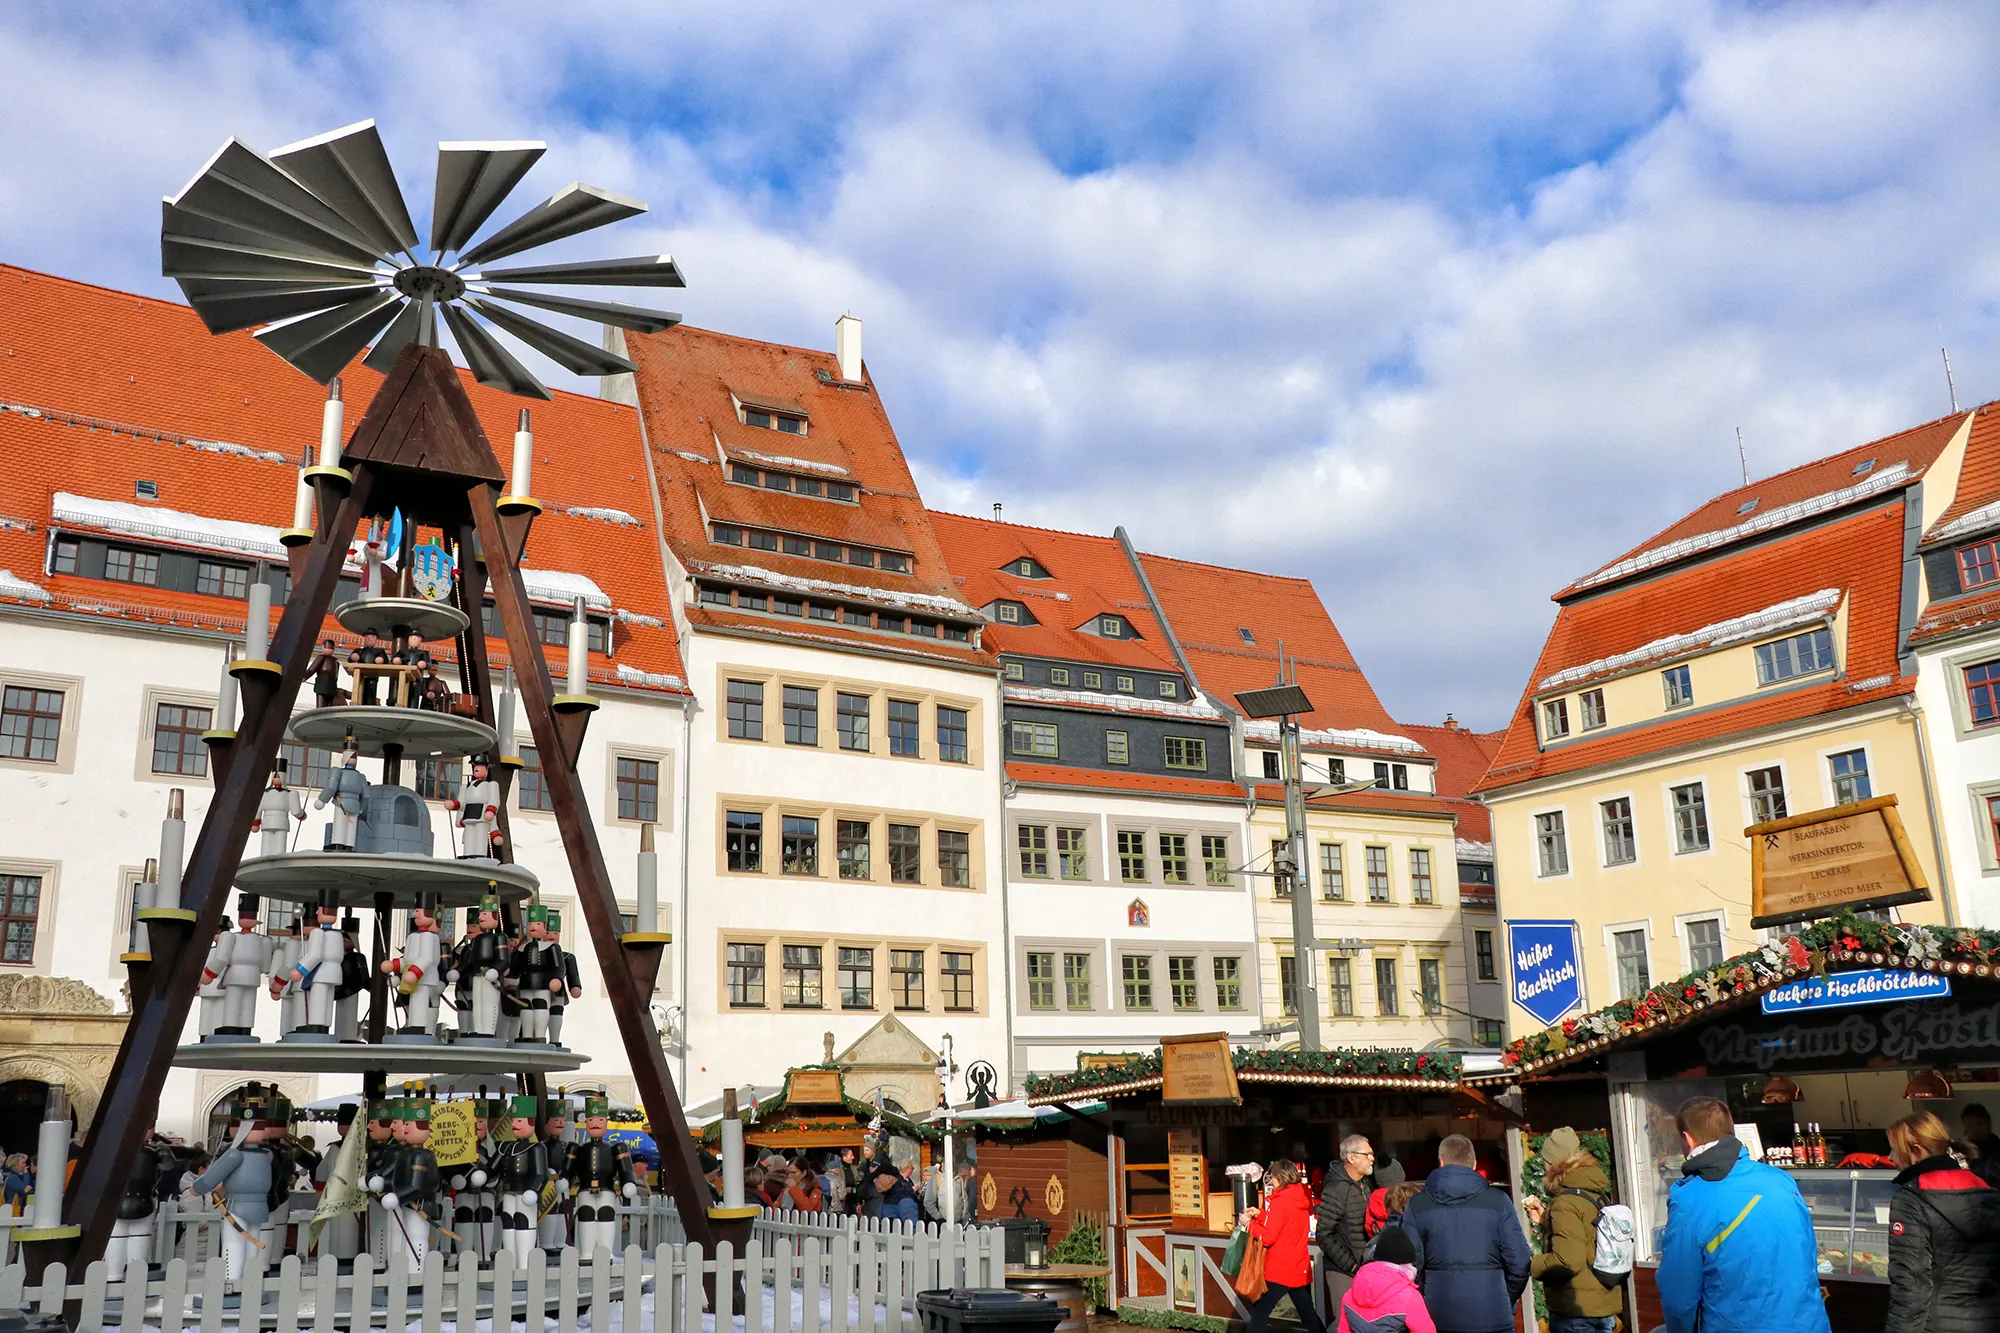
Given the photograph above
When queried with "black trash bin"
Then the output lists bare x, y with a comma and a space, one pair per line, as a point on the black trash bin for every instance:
28, 1321
988, 1310
1018, 1230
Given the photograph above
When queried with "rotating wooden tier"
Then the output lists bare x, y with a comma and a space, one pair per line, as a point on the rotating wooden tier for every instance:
387, 617
421, 734
298, 877
398, 1059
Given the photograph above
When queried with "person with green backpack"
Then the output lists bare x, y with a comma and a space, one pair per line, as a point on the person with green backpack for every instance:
1578, 1191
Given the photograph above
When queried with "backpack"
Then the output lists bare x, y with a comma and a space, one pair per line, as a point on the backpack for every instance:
1617, 1239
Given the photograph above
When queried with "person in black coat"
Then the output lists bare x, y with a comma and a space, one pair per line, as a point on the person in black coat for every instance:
1944, 1236
1472, 1255
1342, 1214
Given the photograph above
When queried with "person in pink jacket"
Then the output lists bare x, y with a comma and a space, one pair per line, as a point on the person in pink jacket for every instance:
1384, 1297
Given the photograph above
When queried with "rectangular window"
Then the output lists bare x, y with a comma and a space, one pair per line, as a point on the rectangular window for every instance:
1187, 752
1378, 873
903, 722
1704, 944
1555, 719
309, 766
30, 723
802, 977
639, 789
436, 779
1228, 982
799, 850
906, 977
1215, 858
853, 721
1058, 675
1041, 974
746, 710
1332, 872
1272, 772
1138, 980
954, 856
951, 735
1183, 985
530, 782
852, 839
278, 917
1552, 843
1174, 858
1131, 857
743, 839
1621, 848
1288, 984
1015, 671
1340, 986
1690, 818
1070, 853
1482, 956
1033, 840
1767, 794
1978, 564
1430, 984
1093, 680
177, 747
746, 976
1635, 977
1800, 655
1009, 613
1382, 776
1591, 705
66, 553
906, 854
1076, 981
1850, 776
1486, 1031
1386, 1003
1982, 692
1420, 875
1117, 747
1126, 685
955, 982
801, 715
126, 566
1678, 685
23, 902
219, 580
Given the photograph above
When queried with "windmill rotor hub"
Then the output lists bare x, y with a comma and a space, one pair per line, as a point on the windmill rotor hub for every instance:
428, 282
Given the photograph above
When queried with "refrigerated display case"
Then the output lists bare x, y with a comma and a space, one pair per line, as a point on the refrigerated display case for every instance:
1850, 1218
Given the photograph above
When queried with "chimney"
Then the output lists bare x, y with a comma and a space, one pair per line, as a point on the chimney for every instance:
847, 347
996, 511
1450, 722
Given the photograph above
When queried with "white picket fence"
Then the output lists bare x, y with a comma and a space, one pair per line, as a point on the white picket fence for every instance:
800, 1274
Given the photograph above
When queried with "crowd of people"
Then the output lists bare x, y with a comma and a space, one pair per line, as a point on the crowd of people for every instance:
863, 1183
1450, 1253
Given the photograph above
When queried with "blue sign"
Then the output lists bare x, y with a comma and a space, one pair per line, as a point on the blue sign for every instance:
1836, 990
1545, 969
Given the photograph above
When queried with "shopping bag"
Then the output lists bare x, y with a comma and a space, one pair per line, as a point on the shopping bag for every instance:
1232, 1258
1250, 1278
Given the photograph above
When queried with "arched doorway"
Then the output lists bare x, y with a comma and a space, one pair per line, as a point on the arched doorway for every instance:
22, 1102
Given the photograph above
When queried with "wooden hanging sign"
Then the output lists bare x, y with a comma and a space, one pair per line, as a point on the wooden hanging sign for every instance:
1198, 1069
1847, 858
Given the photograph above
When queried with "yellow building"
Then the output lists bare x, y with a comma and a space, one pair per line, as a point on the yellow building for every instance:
1743, 665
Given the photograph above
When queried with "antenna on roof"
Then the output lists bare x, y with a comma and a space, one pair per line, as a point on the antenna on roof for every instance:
1742, 457
1951, 388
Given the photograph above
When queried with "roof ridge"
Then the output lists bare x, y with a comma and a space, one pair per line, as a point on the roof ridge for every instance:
746, 339
1027, 527
1231, 569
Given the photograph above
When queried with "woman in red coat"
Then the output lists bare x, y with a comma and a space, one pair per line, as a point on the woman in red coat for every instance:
1281, 1225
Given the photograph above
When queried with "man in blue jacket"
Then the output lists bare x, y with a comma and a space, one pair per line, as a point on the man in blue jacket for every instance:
1738, 1255
1472, 1256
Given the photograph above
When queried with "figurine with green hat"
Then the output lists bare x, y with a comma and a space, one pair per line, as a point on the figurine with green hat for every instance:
598, 1171
521, 1169
486, 959
409, 1188
569, 984
536, 973
245, 1173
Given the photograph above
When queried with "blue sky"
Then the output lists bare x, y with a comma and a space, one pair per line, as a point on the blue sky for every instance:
1439, 305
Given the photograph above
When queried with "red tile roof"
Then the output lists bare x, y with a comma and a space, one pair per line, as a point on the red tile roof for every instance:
828, 634
195, 412
1057, 775
1978, 482
685, 380
1961, 615
1860, 555
1088, 577
1370, 799
1463, 756
1824, 480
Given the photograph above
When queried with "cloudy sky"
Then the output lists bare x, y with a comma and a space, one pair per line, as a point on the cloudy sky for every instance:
1437, 305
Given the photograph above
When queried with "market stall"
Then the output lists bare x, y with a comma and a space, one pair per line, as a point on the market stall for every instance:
812, 1111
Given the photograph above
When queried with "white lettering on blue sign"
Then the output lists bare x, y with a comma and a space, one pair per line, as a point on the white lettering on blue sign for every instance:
1547, 978
1838, 989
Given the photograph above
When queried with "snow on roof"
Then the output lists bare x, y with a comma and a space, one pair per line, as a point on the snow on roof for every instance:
1721, 634
1882, 479
659, 680
169, 525
20, 589
640, 618
949, 606
1199, 710
785, 460
1967, 524
1468, 850
1356, 738
692, 457
1872, 683
563, 587
237, 450
602, 515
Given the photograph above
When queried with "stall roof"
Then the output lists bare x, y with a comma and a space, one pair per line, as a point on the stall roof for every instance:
1419, 1071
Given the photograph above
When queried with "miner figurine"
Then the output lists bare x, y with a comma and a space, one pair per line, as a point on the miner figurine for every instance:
238, 963
347, 791
553, 1231
316, 971
536, 975
353, 982
243, 1173
478, 807
130, 1249
340, 1235
472, 1186
571, 986
370, 653
598, 1171
420, 974
409, 1188
284, 977
521, 1169
485, 959
459, 972
382, 1146
277, 810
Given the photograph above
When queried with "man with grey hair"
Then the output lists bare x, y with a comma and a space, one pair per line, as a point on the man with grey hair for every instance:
1472, 1256
1343, 1208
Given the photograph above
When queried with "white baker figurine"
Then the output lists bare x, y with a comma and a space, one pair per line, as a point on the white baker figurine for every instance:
317, 969
478, 806
420, 969
241, 958
347, 791
277, 810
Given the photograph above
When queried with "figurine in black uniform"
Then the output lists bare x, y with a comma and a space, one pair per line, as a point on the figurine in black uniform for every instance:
480, 971
381, 1150
521, 1169
370, 651
536, 974
409, 1188
572, 985
132, 1236
598, 1171
353, 983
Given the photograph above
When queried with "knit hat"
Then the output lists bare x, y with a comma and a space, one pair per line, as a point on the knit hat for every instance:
1560, 1144
1394, 1246
1389, 1174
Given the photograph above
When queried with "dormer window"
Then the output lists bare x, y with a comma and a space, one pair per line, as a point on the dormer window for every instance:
1244, 634
1008, 613
146, 490
1978, 564
757, 416
1027, 567
742, 474
1111, 627
1865, 465
1170, 689
1747, 506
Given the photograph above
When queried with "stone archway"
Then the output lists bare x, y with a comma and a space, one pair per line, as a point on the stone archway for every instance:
59, 1030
